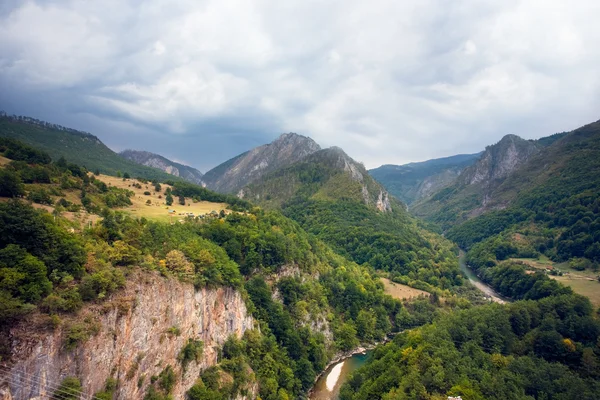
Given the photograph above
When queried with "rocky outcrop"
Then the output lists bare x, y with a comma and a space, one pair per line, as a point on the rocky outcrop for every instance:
499, 161
148, 159
142, 330
246, 168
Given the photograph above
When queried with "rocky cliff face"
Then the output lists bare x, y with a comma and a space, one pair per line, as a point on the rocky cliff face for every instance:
148, 159
142, 330
234, 174
499, 161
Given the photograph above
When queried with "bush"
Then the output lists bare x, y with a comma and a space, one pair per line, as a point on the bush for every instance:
146, 193
69, 389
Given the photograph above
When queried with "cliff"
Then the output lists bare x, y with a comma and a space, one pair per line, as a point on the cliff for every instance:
140, 331
474, 191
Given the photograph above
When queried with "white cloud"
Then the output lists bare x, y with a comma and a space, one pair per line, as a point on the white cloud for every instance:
388, 81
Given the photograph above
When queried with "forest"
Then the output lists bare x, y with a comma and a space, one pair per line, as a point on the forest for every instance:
448, 344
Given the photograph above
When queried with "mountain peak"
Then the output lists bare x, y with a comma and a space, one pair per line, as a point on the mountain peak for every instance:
246, 168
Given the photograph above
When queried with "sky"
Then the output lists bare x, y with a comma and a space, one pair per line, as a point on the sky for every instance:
389, 81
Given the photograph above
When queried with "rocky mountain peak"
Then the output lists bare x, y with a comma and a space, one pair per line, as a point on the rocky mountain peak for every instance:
500, 160
246, 168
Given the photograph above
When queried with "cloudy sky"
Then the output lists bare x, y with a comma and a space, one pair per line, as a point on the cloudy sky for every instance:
389, 81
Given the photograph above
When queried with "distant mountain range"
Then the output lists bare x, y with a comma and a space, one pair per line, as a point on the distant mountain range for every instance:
414, 181
153, 160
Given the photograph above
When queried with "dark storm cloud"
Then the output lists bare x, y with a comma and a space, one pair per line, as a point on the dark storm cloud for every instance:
389, 81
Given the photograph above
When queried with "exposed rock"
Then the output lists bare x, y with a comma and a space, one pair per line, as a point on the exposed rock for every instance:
500, 160
246, 168
136, 340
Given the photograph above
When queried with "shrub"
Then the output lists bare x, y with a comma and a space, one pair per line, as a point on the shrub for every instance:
69, 389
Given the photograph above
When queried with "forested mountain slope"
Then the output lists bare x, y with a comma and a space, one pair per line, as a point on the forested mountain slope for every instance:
555, 207
333, 197
77, 147
414, 181
238, 172
476, 189
148, 159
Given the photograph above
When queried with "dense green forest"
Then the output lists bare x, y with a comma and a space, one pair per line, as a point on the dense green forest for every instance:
534, 349
81, 148
327, 201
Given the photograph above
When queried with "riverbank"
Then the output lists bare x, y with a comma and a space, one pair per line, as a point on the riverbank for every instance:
343, 356
474, 279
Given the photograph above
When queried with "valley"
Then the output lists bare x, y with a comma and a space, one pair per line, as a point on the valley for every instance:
296, 256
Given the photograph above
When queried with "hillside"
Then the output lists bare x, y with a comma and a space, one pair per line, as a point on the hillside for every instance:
475, 191
157, 161
414, 181
553, 213
238, 172
334, 197
77, 147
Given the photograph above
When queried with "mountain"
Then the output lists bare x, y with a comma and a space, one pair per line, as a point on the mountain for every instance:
78, 147
414, 181
148, 159
474, 191
528, 200
328, 175
333, 197
246, 168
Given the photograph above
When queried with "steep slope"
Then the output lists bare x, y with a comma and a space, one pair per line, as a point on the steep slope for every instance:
554, 207
333, 197
414, 181
328, 175
238, 172
475, 190
75, 146
157, 161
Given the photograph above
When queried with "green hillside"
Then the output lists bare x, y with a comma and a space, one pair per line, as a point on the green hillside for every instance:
77, 147
333, 197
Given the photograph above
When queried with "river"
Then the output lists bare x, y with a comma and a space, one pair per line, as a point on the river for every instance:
477, 282
329, 384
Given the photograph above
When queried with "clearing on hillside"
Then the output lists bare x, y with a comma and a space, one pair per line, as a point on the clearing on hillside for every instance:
158, 209
584, 286
400, 291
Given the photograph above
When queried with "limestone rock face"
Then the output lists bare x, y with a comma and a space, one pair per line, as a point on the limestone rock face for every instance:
142, 330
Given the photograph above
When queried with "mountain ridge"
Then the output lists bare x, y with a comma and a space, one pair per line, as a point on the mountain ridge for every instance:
414, 181
237, 172
154, 160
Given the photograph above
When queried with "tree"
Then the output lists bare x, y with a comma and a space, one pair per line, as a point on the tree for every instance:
10, 184
126, 175
182, 200
169, 199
